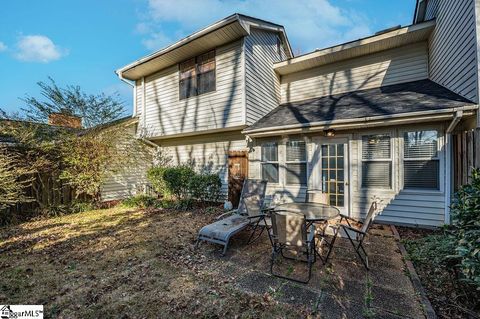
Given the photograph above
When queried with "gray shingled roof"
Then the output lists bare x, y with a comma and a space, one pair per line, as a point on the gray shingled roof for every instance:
423, 95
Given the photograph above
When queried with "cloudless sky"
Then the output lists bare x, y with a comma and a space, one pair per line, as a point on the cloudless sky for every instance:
83, 42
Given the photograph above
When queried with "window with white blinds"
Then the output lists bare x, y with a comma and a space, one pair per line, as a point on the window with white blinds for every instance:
296, 163
420, 160
269, 162
376, 161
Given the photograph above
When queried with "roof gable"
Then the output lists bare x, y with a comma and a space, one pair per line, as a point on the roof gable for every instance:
219, 33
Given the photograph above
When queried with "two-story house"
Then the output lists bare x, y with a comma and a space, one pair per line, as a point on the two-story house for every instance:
370, 119
195, 97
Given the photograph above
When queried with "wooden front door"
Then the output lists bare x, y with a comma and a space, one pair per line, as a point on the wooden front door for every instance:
237, 172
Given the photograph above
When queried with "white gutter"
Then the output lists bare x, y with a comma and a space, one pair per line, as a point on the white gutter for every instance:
446, 113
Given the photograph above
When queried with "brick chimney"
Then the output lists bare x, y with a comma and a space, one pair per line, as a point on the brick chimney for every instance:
65, 120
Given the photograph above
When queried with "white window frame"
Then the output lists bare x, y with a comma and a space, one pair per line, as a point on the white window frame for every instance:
270, 162
421, 159
440, 156
297, 162
390, 159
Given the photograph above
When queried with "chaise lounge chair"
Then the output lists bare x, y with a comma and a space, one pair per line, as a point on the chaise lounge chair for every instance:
248, 214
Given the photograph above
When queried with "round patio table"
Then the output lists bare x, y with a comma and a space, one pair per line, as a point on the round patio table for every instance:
314, 212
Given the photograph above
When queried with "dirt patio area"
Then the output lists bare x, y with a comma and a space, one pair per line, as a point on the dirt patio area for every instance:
121, 263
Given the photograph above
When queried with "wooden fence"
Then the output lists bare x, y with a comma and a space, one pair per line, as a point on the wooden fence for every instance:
45, 191
464, 156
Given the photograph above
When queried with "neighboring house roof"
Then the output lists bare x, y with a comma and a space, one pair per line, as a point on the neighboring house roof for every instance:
409, 98
221, 32
126, 119
369, 45
52, 129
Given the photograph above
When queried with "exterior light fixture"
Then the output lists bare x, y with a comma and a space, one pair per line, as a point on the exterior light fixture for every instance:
329, 133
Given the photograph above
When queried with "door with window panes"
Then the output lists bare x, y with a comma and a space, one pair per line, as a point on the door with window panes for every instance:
333, 171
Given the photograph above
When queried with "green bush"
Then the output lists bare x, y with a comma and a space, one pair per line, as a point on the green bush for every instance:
205, 187
171, 181
465, 211
141, 201
177, 180
183, 183
184, 204
155, 177
82, 206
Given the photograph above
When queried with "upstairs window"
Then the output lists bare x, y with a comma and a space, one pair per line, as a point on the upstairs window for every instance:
269, 162
296, 163
197, 75
420, 160
376, 161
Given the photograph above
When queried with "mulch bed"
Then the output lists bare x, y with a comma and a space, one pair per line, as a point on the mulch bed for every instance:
449, 297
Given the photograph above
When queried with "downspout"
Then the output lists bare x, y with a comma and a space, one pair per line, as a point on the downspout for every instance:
448, 163
120, 76
144, 107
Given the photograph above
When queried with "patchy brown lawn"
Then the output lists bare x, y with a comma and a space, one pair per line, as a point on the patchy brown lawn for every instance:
121, 263
124, 263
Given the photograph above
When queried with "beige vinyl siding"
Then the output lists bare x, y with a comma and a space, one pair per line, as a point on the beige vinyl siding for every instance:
262, 83
128, 181
223, 108
452, 47
397, 205
207, 152
404, 64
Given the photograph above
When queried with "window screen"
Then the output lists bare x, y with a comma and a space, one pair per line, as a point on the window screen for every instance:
421, 162
376, 161
296, 163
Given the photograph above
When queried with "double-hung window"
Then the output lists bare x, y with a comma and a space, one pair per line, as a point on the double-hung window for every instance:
296, 163
269, 162
420, 160
197, 75
376, 161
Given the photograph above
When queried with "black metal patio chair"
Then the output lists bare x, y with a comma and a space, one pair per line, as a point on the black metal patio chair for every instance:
289, 235
356, 235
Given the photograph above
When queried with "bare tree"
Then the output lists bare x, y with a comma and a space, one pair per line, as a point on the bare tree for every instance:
93, 109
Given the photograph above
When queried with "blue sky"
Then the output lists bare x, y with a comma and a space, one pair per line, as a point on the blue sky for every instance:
83, 42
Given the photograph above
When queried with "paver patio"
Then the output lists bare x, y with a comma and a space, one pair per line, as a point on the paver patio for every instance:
340, 289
